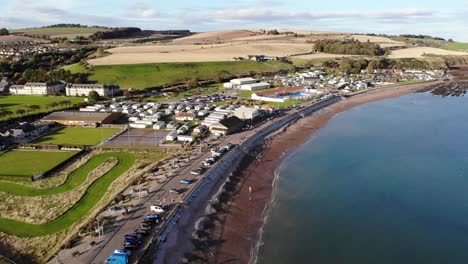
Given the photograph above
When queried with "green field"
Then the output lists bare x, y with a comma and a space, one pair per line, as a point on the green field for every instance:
13, 102
140, 76
202, 90
87, 202
58, 31
77, 136
457, 46
22, 165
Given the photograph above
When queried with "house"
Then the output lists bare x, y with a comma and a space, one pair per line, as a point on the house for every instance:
84, 89
76, 118
30, 88
185, 116
255, 86
227, 126
185, 138
245, 113
172, 136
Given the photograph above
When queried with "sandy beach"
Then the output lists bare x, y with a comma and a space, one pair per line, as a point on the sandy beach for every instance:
238, 226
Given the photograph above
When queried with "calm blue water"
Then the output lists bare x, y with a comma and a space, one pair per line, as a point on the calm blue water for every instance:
386, 182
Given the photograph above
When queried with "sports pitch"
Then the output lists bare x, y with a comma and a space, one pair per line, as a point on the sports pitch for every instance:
22, 165
77, 136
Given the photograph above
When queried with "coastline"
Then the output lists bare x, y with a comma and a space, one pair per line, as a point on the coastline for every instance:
241, 224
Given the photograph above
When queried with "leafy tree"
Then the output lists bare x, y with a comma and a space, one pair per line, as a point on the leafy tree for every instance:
4, 32
20, 111
93, 96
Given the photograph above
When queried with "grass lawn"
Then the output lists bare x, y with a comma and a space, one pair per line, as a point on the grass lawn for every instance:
248, 94
457, 46
13, 102
22, 165
77, 136
87, 202
139, 76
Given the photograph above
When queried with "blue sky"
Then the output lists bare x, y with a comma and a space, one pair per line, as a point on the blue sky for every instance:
447, 19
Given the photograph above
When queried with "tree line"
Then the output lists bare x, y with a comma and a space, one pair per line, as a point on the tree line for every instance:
4, 32
348, 47
115, 33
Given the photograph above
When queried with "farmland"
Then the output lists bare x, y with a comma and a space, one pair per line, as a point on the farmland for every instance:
77, 136
14, 102
457, 46
54, 32
139, 76
22, 165
420, 52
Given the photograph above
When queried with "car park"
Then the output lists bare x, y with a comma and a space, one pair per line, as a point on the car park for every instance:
186, 181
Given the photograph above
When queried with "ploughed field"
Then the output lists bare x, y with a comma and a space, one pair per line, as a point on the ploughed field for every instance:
77, 136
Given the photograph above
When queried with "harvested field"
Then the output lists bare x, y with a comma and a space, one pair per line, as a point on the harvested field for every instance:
216, 36
419, 52
54, 32
166, 53
323, 56
13, 38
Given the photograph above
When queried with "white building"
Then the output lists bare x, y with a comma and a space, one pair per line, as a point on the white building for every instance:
245, 113
84, 89
49, 88
236, 83
255, 86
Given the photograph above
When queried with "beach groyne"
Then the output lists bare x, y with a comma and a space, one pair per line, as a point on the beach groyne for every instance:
195, 203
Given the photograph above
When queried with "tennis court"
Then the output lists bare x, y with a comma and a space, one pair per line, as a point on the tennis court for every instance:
139, 138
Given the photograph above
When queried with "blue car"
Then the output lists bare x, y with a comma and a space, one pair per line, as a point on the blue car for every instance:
186, 181
153, 216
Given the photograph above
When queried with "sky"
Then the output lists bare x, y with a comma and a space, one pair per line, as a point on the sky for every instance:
447, 19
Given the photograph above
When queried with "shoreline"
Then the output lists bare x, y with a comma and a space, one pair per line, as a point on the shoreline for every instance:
241, 224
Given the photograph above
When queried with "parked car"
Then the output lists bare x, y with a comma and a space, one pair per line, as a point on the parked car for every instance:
145, 226
157, 208
130, 246
186, 181
153, 216
176, 191
123, 251
117, 210
207, 162
132, 240
198, 171
151, 222
141, 232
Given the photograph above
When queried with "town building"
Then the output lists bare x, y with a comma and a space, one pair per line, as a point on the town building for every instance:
237, 83
84, 119
246, 113
255, 86
30, 88
84, 89
227, 126
185, 116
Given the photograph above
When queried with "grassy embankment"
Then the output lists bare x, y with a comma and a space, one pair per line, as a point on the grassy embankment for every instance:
140, 76
13, 102
91, 197
77, 136
20, 165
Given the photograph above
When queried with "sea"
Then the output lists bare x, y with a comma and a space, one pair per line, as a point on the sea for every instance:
385, 182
